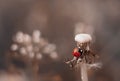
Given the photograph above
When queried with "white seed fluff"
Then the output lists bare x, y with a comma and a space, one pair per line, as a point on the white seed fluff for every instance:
83, 38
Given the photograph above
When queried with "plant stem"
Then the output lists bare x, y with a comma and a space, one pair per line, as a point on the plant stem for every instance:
84, 75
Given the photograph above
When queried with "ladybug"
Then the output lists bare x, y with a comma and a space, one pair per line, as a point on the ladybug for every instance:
77, 52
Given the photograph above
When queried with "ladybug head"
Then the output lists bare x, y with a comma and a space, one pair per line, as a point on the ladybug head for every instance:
80, 50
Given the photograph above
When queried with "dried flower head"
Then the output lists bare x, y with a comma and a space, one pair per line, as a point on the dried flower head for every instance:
83, 38
33, 46
82, 53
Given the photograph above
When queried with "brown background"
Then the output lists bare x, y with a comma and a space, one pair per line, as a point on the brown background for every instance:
56, 20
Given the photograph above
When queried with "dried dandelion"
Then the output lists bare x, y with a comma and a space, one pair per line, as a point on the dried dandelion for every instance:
83, 57
31, 49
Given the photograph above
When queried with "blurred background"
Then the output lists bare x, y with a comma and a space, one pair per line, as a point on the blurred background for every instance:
58, 22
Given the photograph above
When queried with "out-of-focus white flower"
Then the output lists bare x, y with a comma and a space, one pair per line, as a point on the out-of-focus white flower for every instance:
36, 49
49, 48
31, 54
36, 33
36, 36
19, 37
23, 51
29, 48
27, 38
43, 42
39, 56
14, 47
54, 55
33, 46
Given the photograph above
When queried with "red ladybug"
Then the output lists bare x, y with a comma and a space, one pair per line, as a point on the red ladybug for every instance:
77, 52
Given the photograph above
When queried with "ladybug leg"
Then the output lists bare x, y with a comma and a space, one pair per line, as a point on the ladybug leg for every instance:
72, 62
74, 59
79, 60
67, 61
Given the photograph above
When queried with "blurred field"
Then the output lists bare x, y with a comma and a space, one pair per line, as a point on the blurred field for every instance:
59, 21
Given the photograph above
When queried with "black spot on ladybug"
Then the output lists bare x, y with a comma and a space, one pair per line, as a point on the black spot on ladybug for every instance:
80, 51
